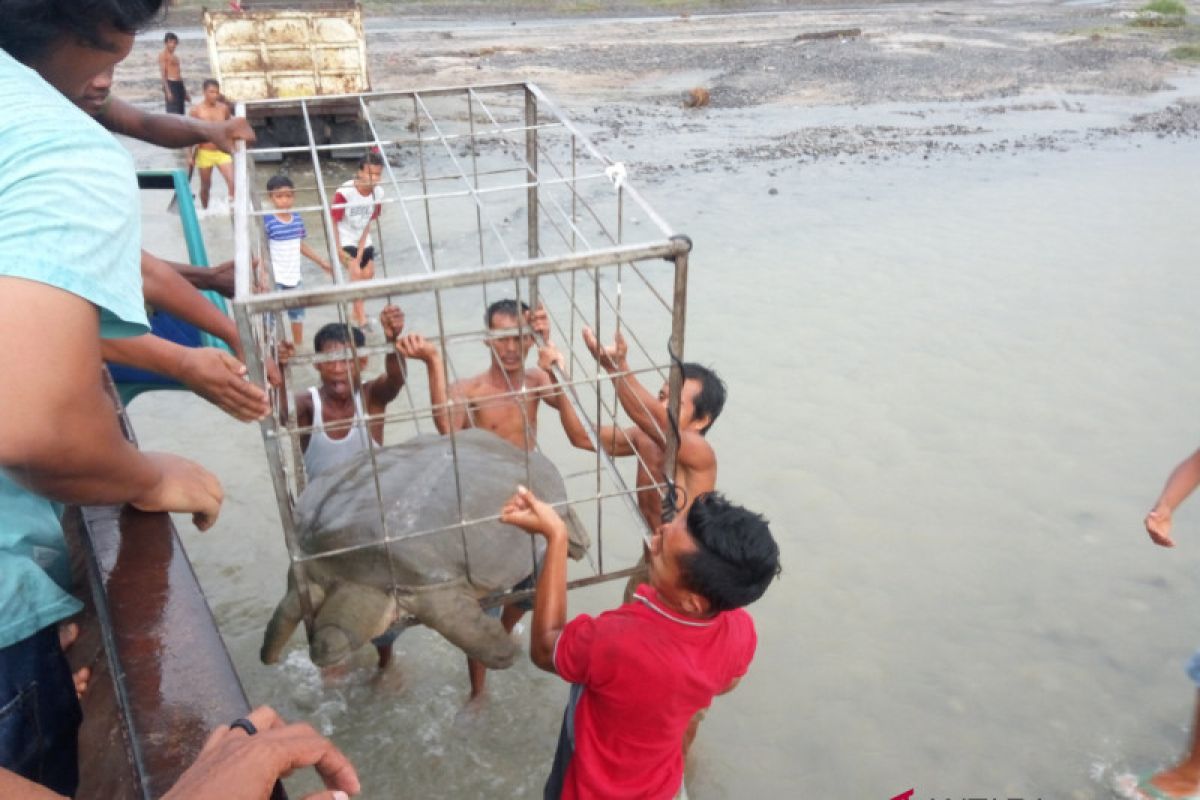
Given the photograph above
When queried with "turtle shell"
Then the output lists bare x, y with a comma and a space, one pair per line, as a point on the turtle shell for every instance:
439, 522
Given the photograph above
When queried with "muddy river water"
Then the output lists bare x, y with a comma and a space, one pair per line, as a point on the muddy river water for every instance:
956, 385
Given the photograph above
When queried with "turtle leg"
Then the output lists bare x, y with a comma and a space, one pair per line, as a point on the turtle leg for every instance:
454, 612
350, 617
284, 621
578, 541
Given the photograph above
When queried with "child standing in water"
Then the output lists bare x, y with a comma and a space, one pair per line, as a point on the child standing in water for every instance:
355, 204
1183, 779
207, 155
285, 243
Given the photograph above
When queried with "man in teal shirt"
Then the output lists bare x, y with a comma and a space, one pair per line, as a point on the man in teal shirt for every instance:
69, 275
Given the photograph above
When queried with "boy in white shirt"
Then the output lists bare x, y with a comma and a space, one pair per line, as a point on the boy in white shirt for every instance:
355, 204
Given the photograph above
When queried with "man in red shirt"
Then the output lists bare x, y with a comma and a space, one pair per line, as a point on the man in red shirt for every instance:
641, 671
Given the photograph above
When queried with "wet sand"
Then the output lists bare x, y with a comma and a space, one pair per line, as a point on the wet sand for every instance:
610, 69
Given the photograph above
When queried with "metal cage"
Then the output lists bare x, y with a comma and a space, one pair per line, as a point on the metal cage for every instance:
489, 191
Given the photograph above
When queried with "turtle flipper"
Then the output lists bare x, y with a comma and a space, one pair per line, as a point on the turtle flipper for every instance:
453, 611
578, 541
351, 616
284, 621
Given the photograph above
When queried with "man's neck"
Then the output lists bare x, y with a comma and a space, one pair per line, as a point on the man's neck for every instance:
668, 603
511, 381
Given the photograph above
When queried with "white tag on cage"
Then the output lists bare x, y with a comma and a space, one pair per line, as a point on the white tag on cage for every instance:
616, 173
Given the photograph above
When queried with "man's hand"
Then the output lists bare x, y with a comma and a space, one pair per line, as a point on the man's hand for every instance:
274, 376
236, 766
414, 345
539, 320
549, 356
392, 320
226, 133
610, 358
221, 380
185, 487
1158, 525
286, 351
529, 513
221, 278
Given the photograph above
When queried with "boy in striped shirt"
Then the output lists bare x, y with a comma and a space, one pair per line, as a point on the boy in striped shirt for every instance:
285, 243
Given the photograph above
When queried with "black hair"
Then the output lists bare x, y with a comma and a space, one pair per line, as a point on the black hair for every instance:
211, 82
372, 158
279, 181
338, 332
29, 27
507, 307
170, 37
710, 400
736, 557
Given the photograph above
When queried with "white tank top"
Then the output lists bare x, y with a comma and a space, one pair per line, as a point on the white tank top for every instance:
324, 452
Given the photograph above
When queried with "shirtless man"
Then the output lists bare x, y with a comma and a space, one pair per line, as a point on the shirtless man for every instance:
504, 400
207, 154
700, 403
175, 94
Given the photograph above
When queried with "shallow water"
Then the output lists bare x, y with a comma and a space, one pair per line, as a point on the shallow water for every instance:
956, 385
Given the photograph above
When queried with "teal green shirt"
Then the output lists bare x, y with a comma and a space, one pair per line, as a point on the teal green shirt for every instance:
70, 218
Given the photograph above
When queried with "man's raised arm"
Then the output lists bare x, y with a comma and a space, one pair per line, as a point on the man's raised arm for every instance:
172, 130
445, 416
641, 406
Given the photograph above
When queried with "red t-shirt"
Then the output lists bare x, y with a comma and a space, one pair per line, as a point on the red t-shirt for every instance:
645, 671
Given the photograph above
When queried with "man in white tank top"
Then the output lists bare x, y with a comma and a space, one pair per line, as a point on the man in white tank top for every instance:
333, 410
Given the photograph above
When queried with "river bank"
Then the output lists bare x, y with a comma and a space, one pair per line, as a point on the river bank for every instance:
1041, 62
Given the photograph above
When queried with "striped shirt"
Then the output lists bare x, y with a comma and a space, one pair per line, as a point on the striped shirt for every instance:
283, 243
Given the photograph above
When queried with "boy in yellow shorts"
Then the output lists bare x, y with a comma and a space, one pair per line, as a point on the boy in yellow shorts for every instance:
207, 155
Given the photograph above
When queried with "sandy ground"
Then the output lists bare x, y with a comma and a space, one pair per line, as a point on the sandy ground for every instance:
1023, 57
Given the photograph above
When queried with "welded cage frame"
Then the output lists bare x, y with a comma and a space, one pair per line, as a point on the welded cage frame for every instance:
260, 311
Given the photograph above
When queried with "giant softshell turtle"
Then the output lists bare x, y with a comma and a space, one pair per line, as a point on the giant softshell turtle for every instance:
432, 577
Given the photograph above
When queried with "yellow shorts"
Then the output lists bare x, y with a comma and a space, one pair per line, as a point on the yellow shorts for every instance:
207, 159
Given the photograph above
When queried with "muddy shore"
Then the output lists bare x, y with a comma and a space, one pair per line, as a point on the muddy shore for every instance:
627, 72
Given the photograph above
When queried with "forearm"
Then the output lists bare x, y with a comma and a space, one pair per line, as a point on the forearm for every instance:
1182, 482
550, 600
164, 130
574, 429
391, 382
14, 786
149, 352
437, 394
164, 288
642, 407
204, 279
315, 257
